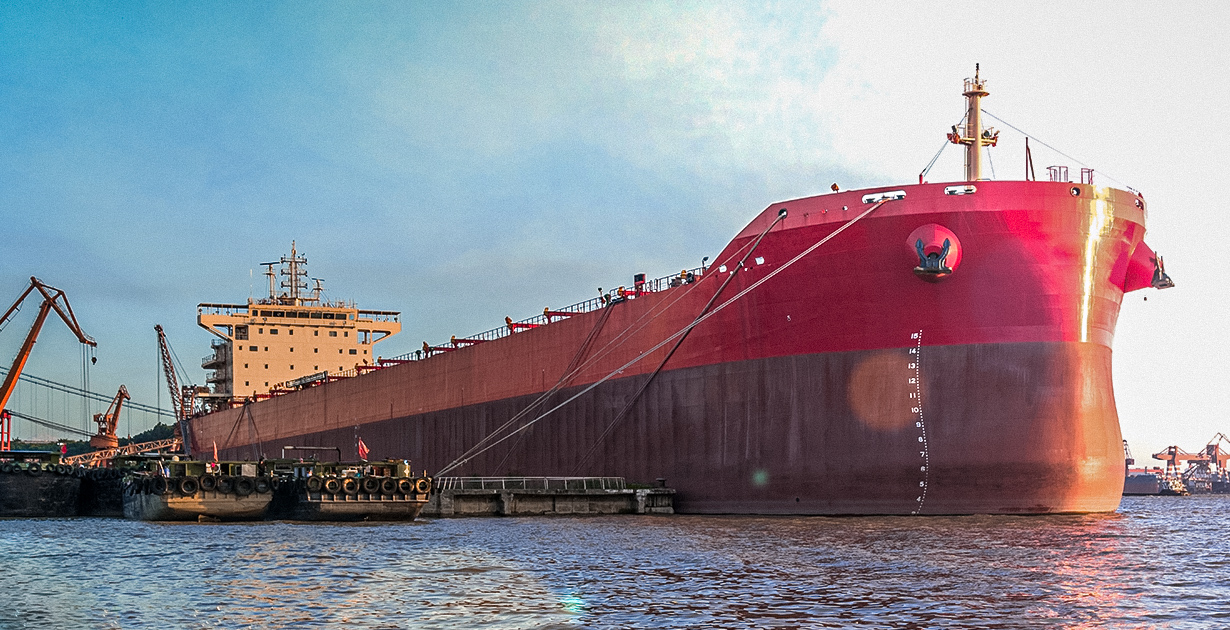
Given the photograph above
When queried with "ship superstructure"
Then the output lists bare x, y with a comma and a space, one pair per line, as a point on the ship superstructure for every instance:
290, 338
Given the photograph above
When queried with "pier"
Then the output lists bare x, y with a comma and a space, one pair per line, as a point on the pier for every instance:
545, 496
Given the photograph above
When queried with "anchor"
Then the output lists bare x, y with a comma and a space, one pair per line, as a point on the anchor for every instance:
933, 266
1160, 279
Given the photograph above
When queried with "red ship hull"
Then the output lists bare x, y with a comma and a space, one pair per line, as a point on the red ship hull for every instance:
844, 384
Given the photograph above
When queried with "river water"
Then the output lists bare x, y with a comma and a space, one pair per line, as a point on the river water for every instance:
1159, 562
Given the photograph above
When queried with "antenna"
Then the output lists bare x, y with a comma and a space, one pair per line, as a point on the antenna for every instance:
317, 288
273, 292
293, 273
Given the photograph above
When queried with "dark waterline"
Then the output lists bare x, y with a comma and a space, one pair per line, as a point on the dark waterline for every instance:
1160, 562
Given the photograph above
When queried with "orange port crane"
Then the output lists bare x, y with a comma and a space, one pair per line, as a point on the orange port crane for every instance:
1173, 455
106, 437
53, 300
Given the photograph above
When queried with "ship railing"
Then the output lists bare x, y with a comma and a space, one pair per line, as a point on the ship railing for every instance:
531, 483
221, 309
380, 316
687, 276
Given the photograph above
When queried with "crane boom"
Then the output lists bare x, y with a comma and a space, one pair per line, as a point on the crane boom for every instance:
168, 370
183, 397
52, 299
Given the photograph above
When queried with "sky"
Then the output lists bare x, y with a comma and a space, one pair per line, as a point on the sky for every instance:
460, 162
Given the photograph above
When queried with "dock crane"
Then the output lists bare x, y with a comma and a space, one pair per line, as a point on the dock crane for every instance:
1173, 455
53, 299
106, 437
183, 397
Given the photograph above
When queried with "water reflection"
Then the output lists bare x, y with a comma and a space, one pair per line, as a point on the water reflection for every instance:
1161, 562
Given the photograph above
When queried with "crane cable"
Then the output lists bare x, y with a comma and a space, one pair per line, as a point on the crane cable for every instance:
71, 389
680, 333
49, 424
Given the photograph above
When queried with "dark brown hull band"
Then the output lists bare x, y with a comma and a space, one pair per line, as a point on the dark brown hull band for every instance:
991, 428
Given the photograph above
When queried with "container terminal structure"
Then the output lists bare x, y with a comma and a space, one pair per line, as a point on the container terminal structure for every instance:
931, 348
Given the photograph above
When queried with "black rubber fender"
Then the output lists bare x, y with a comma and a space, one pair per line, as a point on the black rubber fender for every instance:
244, 486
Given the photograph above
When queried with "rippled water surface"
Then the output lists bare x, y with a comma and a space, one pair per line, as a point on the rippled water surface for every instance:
1160, 562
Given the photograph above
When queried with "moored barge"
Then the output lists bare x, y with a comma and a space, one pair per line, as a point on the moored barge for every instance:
37, 484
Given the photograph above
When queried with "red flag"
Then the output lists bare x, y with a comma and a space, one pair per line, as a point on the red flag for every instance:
215, 450
363, 450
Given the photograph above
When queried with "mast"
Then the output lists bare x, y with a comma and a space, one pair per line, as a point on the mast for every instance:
974, 137
295, 276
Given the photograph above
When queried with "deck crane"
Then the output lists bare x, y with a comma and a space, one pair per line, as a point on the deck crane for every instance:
183, 397
53, 299
106, 437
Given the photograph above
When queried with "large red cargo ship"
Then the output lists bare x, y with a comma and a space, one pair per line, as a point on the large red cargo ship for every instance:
931, 348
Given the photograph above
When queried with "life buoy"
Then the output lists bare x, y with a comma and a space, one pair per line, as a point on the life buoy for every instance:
209, 483
422, 485
314, 484
405, 486
388, 486
333, 485
188, 486
350, 486
371, 485
244, 486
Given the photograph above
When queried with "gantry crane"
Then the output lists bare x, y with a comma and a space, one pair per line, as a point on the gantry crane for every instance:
1173, 455
106, 437
53, 299
1213, 451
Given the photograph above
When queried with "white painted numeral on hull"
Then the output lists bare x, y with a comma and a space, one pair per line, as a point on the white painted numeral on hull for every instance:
924, 468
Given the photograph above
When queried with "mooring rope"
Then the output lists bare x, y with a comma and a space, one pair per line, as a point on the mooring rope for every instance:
463, 460
574, 369
652, 375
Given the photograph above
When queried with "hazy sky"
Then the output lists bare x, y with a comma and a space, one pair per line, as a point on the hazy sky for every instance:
463, 162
